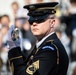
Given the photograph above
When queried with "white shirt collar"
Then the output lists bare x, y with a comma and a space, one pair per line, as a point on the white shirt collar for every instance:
40, 42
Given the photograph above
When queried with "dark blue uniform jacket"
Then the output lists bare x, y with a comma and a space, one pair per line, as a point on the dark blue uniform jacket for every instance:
49, 59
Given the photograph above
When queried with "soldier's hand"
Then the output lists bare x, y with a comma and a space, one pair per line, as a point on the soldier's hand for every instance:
13, 39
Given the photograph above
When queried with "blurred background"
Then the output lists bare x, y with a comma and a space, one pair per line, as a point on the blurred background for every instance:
12, 13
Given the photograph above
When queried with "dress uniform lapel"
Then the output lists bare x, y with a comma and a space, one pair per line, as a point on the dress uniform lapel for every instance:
33, 52
51, 37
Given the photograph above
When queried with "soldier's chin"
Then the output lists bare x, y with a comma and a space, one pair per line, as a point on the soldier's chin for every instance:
39, 36
36, 34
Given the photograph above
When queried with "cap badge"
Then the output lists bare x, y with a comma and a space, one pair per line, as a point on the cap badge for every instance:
32, 7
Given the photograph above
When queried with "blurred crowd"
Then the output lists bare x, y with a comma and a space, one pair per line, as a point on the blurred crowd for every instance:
65, 29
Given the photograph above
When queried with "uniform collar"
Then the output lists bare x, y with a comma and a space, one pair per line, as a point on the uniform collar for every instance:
41, 41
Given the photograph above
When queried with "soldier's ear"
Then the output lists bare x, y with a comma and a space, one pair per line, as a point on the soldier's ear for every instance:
52, 22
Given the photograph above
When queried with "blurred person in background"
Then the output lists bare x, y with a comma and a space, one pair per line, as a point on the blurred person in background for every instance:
64, 6
60, 31
14, 6
21, 17
70, 21
72, 12
5, 24
21, 22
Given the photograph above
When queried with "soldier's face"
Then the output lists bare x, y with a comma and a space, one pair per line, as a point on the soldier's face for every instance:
42, 29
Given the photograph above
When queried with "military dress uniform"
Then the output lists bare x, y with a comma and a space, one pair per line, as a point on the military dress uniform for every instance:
47, 58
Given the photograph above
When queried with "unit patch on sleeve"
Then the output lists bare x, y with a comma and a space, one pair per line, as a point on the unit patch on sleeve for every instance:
48, 47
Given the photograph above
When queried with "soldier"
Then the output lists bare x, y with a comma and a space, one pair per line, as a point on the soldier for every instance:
49, 56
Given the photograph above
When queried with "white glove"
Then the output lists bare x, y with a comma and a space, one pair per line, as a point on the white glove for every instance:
10, 42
